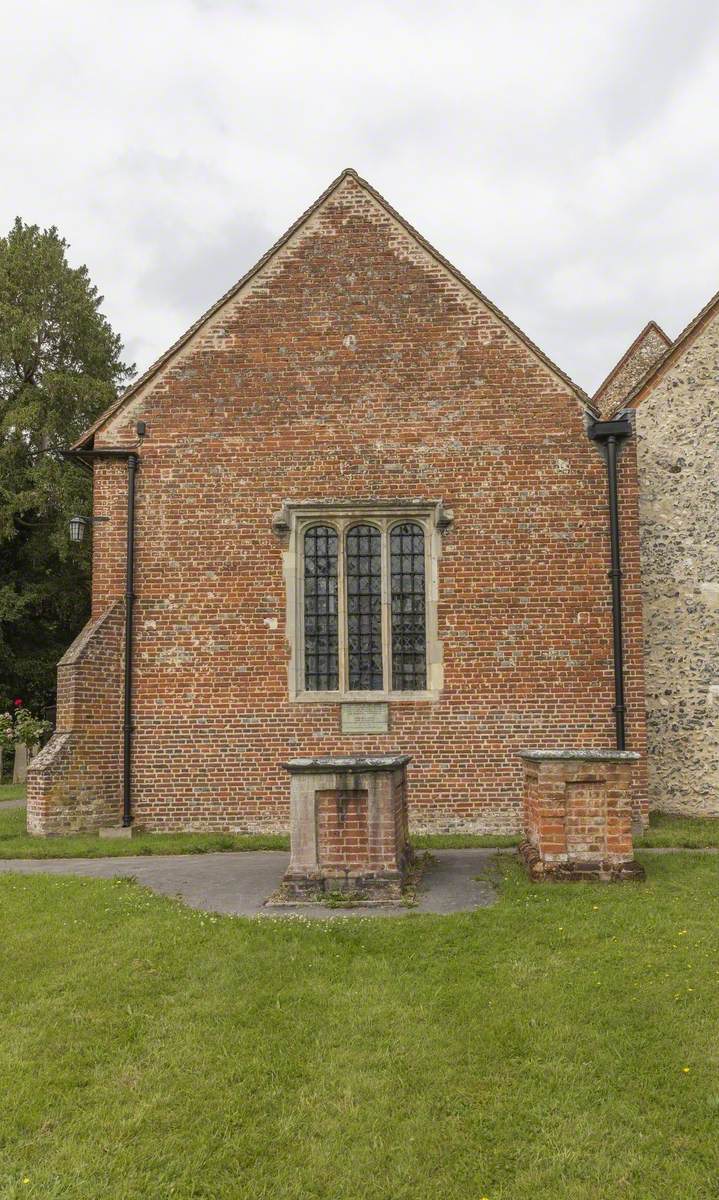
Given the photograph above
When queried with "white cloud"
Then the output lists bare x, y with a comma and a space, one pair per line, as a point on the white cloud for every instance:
565, 157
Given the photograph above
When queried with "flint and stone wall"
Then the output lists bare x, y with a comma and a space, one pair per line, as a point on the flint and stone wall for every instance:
678, 449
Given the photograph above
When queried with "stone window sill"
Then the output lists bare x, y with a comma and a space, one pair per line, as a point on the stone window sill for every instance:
363, 697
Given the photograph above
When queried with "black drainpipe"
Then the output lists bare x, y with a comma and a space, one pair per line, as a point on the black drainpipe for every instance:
132, 464
133, 461
610, 434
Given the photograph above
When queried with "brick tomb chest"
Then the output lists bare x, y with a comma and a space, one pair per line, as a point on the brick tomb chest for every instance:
348, 827
578, 815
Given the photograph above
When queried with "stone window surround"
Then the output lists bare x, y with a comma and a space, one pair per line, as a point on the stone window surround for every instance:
290, 525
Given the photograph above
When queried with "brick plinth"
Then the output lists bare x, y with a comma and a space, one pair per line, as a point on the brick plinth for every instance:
348, 827
578, 815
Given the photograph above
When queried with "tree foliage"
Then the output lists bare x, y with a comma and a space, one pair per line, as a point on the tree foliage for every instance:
60, 366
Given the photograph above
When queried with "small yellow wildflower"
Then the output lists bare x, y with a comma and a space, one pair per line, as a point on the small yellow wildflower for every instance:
686, 1070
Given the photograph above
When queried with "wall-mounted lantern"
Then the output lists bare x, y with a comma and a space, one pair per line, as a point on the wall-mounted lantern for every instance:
77, 528
78, 525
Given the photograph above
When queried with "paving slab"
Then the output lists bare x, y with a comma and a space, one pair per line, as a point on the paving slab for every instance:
237, 883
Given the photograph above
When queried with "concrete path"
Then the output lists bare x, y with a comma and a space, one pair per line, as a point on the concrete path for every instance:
238, 882
20, 803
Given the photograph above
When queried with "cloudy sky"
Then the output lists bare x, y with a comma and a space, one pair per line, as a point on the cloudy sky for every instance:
565, 156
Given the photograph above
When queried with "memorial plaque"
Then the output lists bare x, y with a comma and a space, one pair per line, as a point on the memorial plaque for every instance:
365, 718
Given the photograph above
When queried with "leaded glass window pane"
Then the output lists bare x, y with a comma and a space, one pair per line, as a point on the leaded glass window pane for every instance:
409, 654
364, 608
320, 609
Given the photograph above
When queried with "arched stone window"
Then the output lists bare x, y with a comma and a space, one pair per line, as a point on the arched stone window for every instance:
362, 585
363, 576
409, 606
320, 609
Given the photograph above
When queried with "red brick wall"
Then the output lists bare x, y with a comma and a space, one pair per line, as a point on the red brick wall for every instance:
343, 830
109, 538
354, 367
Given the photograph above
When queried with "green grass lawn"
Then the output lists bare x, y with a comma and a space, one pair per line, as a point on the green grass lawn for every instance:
12, 791
563, 1044
462, 841
15, 842
666, 829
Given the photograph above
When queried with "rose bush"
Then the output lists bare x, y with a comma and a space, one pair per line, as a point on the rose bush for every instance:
21, 729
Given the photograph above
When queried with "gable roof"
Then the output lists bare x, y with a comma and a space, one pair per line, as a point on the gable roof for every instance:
675, 351
650, 331
85, 441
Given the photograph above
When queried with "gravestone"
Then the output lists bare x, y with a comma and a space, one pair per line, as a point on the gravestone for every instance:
19, 770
